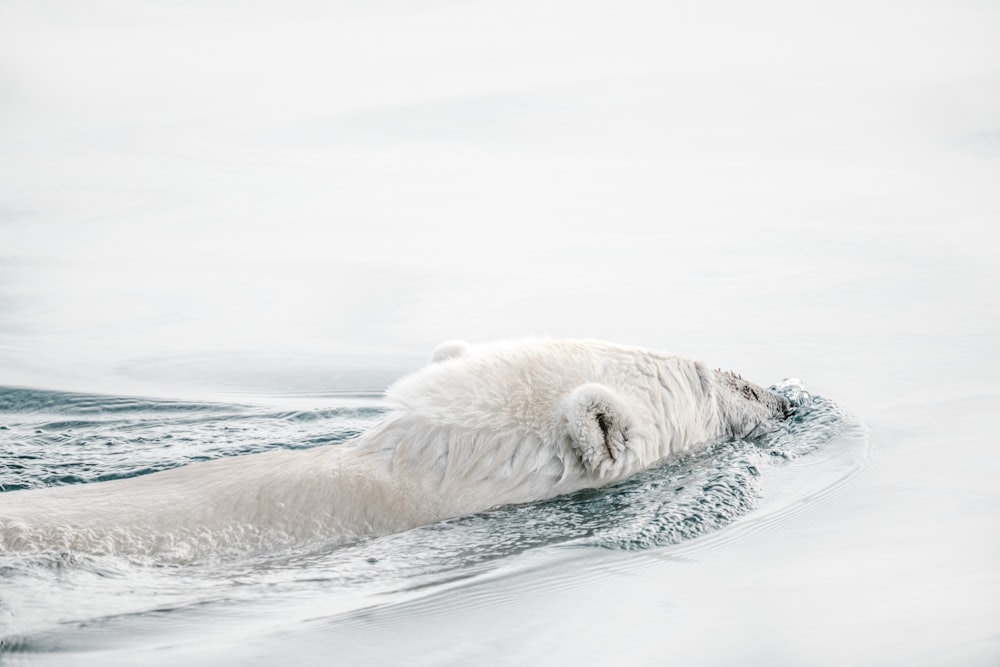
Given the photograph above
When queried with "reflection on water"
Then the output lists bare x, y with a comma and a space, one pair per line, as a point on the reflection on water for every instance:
68, 602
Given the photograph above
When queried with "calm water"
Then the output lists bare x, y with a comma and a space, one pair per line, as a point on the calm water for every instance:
228, 225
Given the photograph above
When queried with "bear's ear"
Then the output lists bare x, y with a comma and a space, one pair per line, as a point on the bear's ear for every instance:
448, 350
599, 425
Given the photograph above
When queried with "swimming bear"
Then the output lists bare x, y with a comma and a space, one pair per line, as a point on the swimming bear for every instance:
478, 427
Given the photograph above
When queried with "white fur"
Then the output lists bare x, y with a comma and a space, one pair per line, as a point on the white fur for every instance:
479, 427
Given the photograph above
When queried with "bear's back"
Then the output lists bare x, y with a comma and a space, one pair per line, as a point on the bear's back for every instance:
519, 384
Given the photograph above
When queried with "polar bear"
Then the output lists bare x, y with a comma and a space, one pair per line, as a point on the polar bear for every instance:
479, 426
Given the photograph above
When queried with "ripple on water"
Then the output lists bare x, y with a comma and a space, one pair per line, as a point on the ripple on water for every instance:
671, 504
126, 437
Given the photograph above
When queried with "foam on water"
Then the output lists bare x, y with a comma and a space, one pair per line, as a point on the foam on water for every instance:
60, 601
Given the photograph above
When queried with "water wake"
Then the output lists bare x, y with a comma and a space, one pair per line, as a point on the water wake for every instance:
49, 439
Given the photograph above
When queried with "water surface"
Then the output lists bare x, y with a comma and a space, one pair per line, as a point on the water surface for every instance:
72, 607
244, 219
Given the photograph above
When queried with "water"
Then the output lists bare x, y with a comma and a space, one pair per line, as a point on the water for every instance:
246, 219
64, 606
